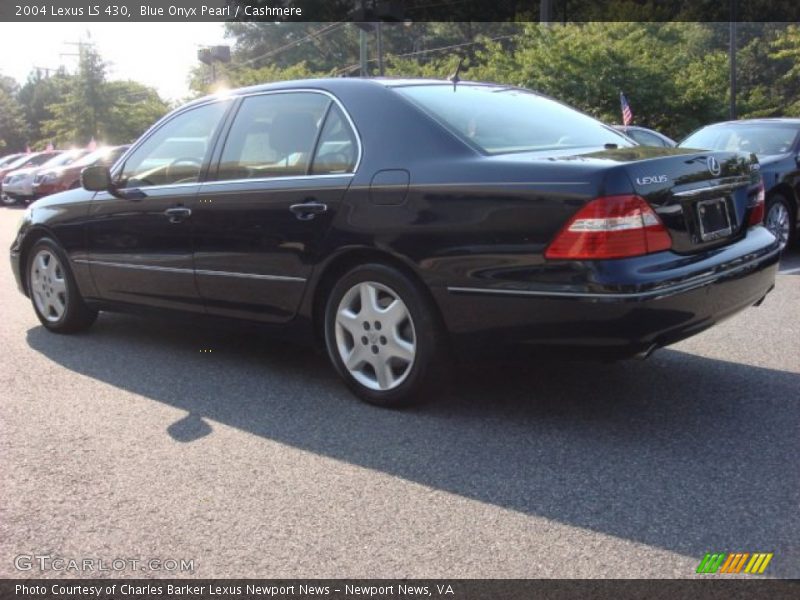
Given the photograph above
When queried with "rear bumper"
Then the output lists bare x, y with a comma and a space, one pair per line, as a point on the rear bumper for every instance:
621, 307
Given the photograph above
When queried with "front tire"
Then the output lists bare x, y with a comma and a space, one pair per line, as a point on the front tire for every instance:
779, 219
53, 291
384, 337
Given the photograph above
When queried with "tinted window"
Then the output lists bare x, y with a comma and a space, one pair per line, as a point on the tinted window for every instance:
337, 150
273, 135
645, 138
501, 120
761, 139
176, 151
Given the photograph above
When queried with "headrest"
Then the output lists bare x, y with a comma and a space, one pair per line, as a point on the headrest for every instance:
292, 132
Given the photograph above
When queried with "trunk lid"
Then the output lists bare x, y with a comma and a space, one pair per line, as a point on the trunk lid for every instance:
702, 197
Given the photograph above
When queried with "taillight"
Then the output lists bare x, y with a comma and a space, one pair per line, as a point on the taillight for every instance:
757, 208
611, 227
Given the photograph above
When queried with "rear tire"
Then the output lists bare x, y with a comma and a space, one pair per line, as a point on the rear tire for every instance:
53, 291
779, 218
384, 337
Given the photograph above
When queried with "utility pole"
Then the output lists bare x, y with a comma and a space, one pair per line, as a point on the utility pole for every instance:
546, 12
732, 57
379, 34
362, 52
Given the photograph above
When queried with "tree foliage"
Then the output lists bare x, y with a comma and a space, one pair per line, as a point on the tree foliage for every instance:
675, 75
13, 128
71, 109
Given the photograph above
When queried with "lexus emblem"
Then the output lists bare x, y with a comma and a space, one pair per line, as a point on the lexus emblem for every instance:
713, 166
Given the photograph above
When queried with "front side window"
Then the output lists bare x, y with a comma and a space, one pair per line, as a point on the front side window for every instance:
176, 151
502, 120
273, 135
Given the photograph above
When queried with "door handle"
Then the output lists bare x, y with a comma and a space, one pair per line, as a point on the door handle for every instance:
177, 214
308, 209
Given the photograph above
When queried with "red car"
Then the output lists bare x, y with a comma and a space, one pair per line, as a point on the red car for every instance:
69, 176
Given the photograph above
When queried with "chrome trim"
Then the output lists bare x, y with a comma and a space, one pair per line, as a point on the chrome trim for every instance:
281, 178
249, 275
234, 97
104, 263
324, 93
724, 187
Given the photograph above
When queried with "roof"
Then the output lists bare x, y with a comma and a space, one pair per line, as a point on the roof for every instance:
333, 83
763, 120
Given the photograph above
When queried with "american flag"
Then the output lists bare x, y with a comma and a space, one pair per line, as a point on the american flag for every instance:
627, 115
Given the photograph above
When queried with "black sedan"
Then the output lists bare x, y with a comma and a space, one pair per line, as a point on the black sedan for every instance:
776, 143
400, 222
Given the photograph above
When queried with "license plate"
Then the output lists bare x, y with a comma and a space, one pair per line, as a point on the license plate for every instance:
715, 222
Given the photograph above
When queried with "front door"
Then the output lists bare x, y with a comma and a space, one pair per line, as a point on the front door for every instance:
140, 240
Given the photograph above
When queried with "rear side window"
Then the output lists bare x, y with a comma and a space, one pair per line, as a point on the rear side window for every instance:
337, 150
502, 120
273, 135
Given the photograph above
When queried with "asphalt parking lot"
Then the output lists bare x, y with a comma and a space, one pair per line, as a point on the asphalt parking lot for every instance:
252, 460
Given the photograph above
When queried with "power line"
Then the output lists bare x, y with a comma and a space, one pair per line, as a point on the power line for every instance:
439, 49
325, 30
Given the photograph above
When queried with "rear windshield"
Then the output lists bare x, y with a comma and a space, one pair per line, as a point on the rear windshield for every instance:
501, 120
762, 139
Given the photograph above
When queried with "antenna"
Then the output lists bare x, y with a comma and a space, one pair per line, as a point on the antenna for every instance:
454, 77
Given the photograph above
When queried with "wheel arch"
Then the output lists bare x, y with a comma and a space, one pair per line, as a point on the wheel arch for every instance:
340, 264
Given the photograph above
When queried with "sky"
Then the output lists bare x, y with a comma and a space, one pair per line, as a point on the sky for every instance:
155, 54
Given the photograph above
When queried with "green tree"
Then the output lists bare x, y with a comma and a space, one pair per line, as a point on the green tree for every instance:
13, 128
36, 97
133, 108
92, 107
84, 111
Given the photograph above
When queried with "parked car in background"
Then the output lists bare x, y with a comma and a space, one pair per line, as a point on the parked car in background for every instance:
20, 185
9, 158
776, 143
31, 159
50, 181
645, 136
398, 221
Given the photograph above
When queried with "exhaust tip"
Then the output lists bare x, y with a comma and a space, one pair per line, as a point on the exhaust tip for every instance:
645, 354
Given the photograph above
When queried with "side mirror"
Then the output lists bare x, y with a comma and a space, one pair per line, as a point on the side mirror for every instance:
96, 179
797, 159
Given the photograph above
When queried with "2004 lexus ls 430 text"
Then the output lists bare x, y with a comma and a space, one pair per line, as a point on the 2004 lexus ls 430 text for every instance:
401, 221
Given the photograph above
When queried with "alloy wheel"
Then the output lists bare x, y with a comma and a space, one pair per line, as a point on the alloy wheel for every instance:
778, 222
48, 285
375, 336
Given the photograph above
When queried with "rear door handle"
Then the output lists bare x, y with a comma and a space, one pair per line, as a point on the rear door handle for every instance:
307, 210
177, 214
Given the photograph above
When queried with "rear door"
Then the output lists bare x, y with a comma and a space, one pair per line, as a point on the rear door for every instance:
140, 244
259, 224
